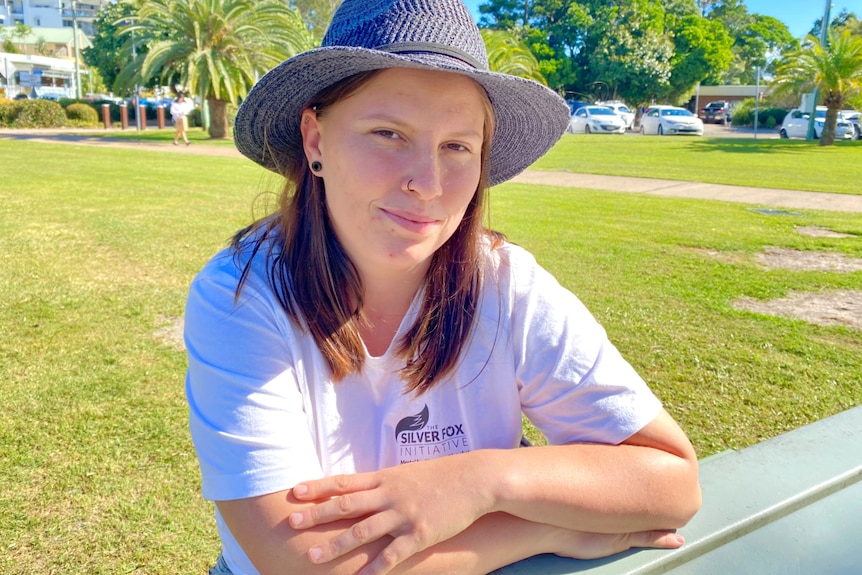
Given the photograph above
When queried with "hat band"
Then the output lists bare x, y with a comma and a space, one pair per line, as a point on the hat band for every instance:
433, 48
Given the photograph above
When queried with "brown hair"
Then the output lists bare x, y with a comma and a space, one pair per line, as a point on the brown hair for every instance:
320, 289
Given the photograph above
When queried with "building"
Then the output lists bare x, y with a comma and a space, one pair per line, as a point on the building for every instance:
44, 65
52, 13
46, 61
705, 94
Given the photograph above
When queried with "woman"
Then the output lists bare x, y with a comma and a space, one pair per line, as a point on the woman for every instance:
359, 360
180, 109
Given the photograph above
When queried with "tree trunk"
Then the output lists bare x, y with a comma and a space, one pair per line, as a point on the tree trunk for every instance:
827, 138
219, 129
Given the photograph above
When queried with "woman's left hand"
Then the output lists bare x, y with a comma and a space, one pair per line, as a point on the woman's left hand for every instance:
418, 504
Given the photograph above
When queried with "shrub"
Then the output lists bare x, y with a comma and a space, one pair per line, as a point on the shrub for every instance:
770, 122
83, 113
195, 120
7, 109
38, 114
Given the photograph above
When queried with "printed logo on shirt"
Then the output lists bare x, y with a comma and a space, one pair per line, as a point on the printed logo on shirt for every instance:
417, 440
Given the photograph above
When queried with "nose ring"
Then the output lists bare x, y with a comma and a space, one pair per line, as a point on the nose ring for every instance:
409, 189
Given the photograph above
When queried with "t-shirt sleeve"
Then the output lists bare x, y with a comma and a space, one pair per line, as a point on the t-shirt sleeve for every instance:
246, 412
574, 384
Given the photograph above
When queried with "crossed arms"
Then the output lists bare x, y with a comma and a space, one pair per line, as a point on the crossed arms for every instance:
475, 512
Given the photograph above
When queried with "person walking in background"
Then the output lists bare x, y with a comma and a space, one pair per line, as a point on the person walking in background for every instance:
361, 357
180, 109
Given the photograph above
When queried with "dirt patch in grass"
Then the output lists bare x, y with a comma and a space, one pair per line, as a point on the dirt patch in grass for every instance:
788, 259
818, 232
171, 334
840, 307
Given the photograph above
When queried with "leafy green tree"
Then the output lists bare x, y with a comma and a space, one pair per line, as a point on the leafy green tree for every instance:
20, 31
111, 51
835, 69
545, 26
702, 47
316, 14
7, 42
844, 20
217, 48
506, 14
508, 55
626, 48
757, 41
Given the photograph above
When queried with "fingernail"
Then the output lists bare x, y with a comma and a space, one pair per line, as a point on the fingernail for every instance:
300, 489
680, 539
295, 519
315, 553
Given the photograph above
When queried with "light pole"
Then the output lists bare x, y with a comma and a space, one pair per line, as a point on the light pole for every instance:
75, 44
824, 36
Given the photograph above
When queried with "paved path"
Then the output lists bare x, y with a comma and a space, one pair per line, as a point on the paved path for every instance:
791, 199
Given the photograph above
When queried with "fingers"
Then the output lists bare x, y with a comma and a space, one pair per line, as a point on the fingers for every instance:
334, 485
361, 533
581, 545
337, 497
655, 539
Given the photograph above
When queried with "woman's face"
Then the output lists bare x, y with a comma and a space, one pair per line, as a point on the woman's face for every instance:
403, 125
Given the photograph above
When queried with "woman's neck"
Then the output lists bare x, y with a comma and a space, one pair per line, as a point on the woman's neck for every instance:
386, 300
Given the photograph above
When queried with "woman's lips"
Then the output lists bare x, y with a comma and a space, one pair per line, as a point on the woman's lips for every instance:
409, 220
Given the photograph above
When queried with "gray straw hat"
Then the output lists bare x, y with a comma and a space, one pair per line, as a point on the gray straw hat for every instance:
367, 35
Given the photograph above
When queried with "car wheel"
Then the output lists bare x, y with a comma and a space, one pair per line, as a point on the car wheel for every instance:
857, 132
660, 130
587, 129
783, 133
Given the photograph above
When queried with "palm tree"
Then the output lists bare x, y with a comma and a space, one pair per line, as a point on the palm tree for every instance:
216, 49
835, 70
508, 55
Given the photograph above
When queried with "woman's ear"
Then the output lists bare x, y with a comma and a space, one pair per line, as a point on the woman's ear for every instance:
309, 127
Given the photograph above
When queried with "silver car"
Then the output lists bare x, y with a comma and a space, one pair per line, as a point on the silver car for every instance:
795, 125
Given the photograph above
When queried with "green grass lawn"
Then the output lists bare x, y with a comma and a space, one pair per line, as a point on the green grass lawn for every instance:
768, 163
97, 467
152, 134
764, 162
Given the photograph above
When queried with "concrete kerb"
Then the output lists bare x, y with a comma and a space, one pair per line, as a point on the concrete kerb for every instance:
792, 199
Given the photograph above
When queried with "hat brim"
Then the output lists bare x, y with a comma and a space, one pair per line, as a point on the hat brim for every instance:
529, 117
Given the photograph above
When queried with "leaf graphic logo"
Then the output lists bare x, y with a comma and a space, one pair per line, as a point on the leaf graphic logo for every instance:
413, 422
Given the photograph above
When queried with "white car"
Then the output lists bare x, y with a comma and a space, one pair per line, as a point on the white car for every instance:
795, 125
854, 118
622, 111
665, 120
596, 120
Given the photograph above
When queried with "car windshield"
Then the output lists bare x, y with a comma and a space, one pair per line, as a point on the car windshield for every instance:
600, 111
675, 112
623, 109
820, 114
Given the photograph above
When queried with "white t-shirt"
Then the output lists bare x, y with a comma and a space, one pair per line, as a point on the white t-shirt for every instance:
265, 414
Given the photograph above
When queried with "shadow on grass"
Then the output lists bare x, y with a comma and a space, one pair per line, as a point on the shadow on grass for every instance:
758, 146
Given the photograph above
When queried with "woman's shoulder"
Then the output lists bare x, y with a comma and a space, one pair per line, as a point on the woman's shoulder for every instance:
247, 259
504, 258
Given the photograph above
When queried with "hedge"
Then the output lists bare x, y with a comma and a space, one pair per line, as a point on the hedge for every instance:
32, 114
82, 113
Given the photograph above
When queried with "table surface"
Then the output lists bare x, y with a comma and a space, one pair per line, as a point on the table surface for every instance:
788, 505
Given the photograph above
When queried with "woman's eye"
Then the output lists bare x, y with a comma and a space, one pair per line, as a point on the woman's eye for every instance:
388, 134
457, 147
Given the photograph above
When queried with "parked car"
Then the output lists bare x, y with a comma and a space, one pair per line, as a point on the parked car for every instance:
718, 112
621, 110
853, 117
666, 120
795, 125
596, 120
575, 104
